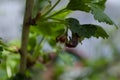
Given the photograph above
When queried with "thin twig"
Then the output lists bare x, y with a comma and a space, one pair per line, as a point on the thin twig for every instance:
51, 8
36, 53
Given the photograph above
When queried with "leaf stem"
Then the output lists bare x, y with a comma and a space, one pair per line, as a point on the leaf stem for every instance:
56, 19
9, 50
51, 8
36, 53
64, 9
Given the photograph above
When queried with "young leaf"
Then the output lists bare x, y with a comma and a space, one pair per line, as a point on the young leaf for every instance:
49, 29
82, 4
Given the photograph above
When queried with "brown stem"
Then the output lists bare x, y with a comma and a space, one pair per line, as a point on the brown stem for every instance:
25, 35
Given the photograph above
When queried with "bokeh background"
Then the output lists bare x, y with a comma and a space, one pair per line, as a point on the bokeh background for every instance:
11, 19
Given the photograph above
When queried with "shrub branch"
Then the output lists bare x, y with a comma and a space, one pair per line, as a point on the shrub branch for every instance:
25, 35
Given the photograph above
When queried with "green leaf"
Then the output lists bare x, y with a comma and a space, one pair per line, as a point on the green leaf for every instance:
96, 7
73, 24
100, 3
100, 15
1, 48
83, 4
62, 14
32, 42
79, 5
100, 32
2, 43
48, 29
66, 58
59, 70
86, 30
89, 30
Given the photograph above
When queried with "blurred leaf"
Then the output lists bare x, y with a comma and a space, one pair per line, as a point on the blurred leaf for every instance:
48, 29
82, 4
99, 63
19, 76
2, 43
59, 70
40, 66
46, 7
66, 58
100, 15
41, 5
52, 42
32, 42
1, 50
3, 74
